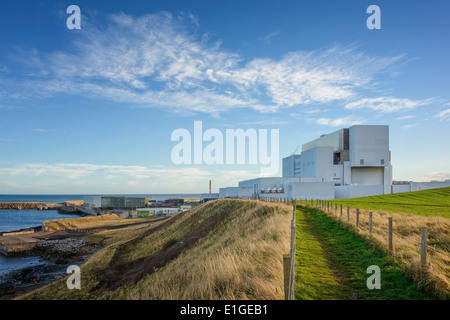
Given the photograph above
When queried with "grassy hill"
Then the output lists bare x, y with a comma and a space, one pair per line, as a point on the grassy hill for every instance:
224, 249
428, 203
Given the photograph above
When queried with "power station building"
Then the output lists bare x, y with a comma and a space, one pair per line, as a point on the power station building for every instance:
350, 162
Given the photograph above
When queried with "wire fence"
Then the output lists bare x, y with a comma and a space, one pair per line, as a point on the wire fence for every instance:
421, 244
289, 259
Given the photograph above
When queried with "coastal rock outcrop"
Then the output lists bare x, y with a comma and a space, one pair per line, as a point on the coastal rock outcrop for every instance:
28, 205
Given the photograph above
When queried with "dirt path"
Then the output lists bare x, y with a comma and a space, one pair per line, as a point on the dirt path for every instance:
127, 273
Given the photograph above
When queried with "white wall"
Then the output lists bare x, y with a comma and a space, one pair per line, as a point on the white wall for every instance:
370, 143
347, 173
341, 192
270, 182
398, 188
368, 175
312, 190
365, 190
318, 162
338, 174
231, 192
387, 179
246, 193
416, 186
289, 165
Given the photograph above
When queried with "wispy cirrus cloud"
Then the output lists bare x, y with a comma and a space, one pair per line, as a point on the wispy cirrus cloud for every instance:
338, 122
157, 61
387, 104
444, 115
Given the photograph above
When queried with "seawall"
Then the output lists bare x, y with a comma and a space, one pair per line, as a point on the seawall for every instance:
29, 205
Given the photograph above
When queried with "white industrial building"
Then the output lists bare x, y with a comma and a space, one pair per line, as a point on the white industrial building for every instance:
348, 163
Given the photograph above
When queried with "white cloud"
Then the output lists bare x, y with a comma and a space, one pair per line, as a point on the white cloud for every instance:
409, 126
154, 61
122, 178
444, 115
405, 117
436, 175
268, 38
387, 104
338, 122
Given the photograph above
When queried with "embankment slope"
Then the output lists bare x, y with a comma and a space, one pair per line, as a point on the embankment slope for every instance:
223, 249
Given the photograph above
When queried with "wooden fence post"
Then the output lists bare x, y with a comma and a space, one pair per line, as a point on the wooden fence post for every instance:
341, 211
286, 274
357, 218
370, 223
390, 246
423, 251
348, 214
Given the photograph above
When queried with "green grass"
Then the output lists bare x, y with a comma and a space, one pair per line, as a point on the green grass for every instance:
428, 203
314, 279
335, 267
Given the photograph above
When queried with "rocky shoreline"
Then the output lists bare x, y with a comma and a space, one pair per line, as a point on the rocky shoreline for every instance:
29, 205
57, 255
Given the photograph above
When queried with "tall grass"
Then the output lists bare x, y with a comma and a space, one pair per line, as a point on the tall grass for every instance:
344, 275
241, 258
406, 244
106, 220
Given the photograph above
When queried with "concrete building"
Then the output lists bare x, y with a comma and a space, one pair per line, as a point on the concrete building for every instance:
356, 160
347, 163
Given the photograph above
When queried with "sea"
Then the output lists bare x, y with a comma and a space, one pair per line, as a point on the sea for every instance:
20, 219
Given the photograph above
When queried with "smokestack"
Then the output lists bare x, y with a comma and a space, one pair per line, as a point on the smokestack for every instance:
209, 186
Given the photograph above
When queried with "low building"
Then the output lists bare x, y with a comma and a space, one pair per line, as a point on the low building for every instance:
161, 211
115, 202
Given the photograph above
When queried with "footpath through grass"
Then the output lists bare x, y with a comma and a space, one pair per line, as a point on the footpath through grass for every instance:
331, 264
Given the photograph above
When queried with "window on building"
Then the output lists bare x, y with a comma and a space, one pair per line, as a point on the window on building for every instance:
382, 161
361, 161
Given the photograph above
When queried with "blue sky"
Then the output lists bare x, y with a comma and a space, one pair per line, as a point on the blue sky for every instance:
93, 110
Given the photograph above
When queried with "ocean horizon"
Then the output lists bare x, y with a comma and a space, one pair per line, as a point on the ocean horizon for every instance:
60, 198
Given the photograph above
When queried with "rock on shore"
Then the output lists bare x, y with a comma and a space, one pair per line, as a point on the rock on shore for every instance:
28, 205
59, 254
62, 250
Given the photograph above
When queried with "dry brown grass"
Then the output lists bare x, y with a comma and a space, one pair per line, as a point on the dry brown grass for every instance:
241, 258
106, 220
406, 243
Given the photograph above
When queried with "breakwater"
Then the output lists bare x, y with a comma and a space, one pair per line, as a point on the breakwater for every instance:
29, 205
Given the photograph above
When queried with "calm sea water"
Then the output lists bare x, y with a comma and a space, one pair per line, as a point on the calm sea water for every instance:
58, 198
20, 219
